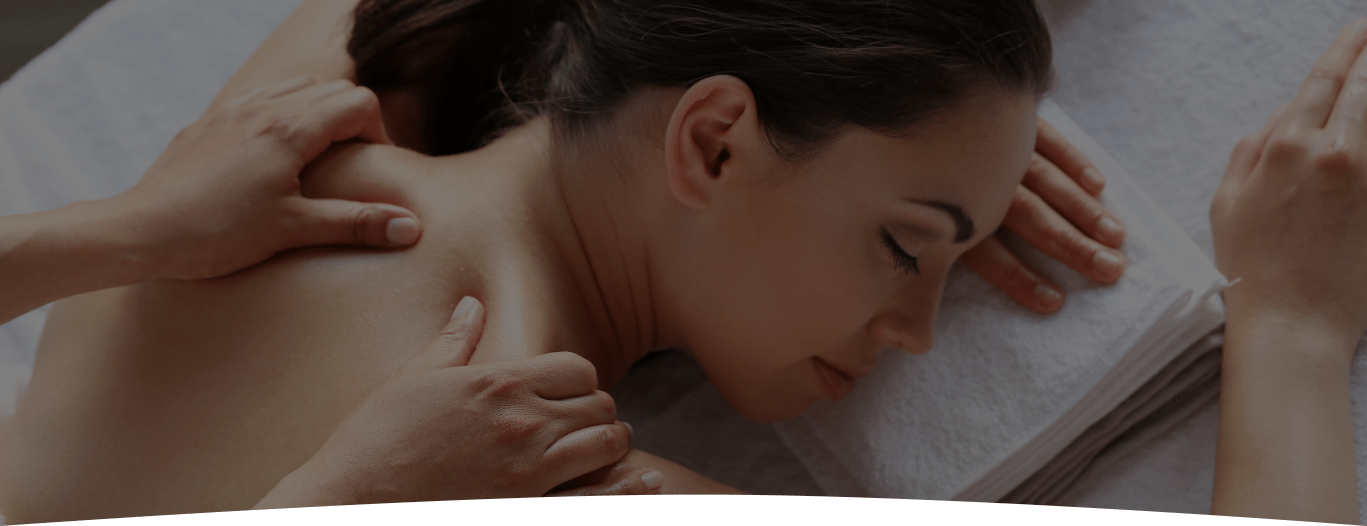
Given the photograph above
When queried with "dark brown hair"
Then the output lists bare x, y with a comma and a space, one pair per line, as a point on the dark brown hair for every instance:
814, 66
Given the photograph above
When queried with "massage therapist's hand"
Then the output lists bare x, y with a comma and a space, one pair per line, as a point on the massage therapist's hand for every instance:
441, 430
1056, 209
225, 194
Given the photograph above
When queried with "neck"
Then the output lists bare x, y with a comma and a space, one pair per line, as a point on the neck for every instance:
590, 217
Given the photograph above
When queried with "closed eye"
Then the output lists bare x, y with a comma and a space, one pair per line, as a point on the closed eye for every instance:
900, 258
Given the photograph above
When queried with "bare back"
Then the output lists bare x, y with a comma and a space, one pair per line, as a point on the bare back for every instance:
174, 396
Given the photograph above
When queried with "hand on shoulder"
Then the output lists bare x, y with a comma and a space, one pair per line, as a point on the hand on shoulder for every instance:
225, 193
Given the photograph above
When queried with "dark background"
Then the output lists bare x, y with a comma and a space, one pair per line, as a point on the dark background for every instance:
27, 27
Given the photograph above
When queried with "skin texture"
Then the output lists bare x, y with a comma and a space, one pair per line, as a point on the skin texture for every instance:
1289, 221
598, 255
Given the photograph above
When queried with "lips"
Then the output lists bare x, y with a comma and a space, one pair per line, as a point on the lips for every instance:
838, 384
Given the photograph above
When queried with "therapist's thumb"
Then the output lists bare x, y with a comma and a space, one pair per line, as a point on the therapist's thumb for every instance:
339, 222
453, 346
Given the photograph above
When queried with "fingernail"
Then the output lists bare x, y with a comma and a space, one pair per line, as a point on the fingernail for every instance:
1049, 295
1094, 177
1108, 262
653, 480
465, 308
1110, 228
629, 428
402, 231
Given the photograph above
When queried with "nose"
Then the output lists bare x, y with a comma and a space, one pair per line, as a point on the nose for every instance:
908, 320
913, 334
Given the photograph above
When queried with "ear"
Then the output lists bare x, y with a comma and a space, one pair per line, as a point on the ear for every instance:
713, 136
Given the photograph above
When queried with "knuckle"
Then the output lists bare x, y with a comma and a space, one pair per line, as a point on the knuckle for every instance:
360, 226
606, 405
1281, 148
609, 441
1022, 202
577, 367
1038, 166
500, 384
281, 126
516, 428
1335, 162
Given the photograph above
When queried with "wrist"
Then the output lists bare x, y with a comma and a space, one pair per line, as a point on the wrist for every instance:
302, 488
143, 244
1278, 335
108, 235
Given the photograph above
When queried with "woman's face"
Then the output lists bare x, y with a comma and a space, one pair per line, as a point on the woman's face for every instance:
807, 276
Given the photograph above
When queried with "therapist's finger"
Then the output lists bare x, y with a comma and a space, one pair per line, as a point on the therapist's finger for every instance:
992, 260
572, 414
454, 344
561, 375
1056, 148
339, 222
584, 451
1037, 223
352, 113
638, 482
1320, 90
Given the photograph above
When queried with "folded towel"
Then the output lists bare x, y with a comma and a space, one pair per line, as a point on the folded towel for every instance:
1005, 390
1179, 389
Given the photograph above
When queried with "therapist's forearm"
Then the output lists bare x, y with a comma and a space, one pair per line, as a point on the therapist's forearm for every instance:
1285, 446
82, 247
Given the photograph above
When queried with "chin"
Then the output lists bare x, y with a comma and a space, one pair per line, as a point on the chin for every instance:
768, 410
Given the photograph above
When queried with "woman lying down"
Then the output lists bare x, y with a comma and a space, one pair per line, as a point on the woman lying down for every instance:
778, 188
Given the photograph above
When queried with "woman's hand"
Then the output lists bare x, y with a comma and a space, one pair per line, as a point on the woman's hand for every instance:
1290, 223
225, 194
1290, 216
441, 430
1056, 209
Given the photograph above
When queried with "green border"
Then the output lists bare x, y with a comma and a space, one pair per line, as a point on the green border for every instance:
692, 510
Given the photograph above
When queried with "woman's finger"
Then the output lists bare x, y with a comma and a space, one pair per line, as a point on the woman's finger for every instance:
1055, 147
584, 451
639, 482
1349, 116
1035, 221
1079, 207
1243, 159
999, 266
1320, 91
453, 346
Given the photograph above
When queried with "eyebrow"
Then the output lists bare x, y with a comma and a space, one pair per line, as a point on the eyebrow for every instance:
963, 225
